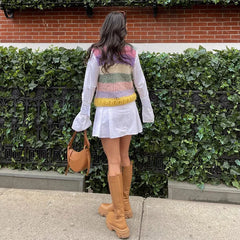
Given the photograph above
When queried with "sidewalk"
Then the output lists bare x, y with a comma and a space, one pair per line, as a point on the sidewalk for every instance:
56, 215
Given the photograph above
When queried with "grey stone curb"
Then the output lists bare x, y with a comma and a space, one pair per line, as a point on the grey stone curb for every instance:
210, 193
50, 180
41, 180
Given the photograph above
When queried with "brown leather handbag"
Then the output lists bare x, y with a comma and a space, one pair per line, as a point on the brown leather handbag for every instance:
78, 161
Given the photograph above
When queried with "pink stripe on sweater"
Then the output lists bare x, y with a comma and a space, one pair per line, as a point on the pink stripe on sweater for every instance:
130, 51
111, 87
96, 52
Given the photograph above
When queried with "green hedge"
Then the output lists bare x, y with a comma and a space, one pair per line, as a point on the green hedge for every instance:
46, 4
199, 138
195, 100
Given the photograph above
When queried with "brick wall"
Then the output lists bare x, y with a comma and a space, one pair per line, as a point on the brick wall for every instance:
204, 23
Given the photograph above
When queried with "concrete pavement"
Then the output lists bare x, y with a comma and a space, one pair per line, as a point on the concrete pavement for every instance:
61, 215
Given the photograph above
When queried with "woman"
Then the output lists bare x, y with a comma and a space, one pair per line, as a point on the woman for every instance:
113, 70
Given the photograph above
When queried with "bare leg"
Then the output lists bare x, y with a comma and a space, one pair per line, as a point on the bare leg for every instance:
115, 219
124, 150
112, 150
116, 151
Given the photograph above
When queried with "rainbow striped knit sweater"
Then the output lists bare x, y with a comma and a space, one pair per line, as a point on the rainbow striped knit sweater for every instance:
115, 87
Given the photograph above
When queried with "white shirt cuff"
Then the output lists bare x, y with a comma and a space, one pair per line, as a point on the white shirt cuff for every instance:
147, 114
81, 122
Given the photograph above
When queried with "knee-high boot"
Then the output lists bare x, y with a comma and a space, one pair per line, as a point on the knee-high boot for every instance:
115, 219
105, 208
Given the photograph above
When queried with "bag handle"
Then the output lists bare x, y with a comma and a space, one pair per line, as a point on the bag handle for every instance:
86, 142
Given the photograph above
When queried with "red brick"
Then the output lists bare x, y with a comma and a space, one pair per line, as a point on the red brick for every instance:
140, 33
231, 32
224, 28
91, 37
53, 37
88, 29
211, 40
192, 36
169, 24
79, 37
206, 36
237, 37
236, 19
208, 28
33, 33
230, 23
39, 29
199, 32
60, 33
162, 37
192, 28
215, 15
235, 28
25, 37
204, 23
192, 20
169, 33
222, 36
185, 33
215, 24
207, 19
6, 33
215, 32
224, 19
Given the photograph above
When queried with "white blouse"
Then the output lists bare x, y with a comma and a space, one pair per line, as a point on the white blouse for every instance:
82, 120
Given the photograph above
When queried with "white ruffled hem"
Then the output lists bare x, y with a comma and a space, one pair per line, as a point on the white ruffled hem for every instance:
81, 122
118, 121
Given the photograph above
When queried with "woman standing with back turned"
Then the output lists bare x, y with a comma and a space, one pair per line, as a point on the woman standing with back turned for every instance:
113, 70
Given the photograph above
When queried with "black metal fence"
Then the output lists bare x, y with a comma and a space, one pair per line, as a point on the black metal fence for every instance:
46, 98
24, 153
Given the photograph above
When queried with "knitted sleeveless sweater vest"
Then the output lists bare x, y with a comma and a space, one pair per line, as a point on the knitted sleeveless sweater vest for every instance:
115, 87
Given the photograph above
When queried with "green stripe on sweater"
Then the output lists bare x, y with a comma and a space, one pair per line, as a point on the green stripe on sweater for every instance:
115, 77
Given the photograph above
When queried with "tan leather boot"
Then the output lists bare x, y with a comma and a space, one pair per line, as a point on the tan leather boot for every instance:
127, 179
105, 208
115, 219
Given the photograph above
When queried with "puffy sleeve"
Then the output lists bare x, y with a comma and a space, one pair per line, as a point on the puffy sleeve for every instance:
141, 86
82, 120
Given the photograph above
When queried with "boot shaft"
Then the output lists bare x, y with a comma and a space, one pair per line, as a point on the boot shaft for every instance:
127, 179
115, 220
116, 190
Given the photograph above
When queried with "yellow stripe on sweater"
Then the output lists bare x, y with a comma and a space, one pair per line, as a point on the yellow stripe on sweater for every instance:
111, 102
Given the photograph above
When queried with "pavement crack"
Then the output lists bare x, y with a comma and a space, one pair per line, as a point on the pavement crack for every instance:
140, 230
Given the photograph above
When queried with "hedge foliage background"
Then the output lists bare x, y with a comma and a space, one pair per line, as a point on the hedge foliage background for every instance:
46, 4
195, 95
